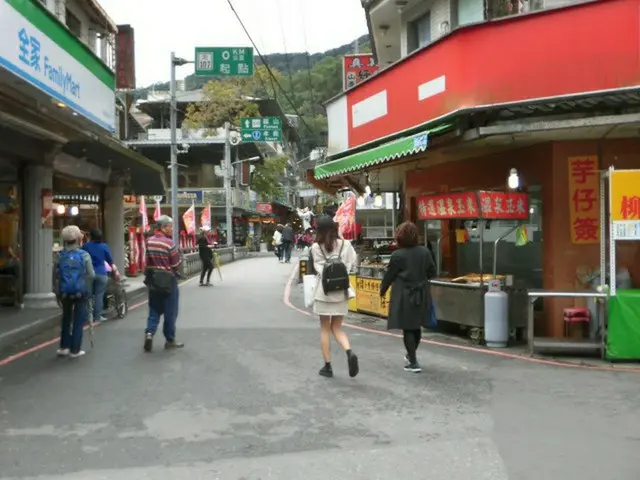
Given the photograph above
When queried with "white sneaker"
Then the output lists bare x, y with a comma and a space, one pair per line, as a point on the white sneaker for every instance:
62, 352
76, 355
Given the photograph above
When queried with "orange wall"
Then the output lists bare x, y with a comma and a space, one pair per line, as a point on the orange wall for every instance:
544, 165
567, 261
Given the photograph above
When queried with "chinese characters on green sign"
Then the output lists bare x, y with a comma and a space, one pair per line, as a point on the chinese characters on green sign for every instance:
224, 61
261, 129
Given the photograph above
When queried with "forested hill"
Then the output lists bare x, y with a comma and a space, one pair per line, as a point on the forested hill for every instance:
308, 80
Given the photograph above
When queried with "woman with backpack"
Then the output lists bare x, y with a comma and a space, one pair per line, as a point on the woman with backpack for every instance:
100, 256
333, 259
410, 268
75, 275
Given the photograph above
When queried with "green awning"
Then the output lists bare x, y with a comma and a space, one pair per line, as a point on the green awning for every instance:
402, 147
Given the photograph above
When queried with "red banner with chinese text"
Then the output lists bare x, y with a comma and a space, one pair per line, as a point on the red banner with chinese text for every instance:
357, 68
265, 208
504, 205
491, 206
584, 199
448, 206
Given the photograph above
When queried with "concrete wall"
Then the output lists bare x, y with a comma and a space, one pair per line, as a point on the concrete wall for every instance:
564, 263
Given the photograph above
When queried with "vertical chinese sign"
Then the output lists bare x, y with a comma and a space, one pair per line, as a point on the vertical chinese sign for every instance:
625, 204
584, 199
357, 68
125, 58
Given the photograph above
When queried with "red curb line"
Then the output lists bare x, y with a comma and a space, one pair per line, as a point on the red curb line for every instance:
554, 363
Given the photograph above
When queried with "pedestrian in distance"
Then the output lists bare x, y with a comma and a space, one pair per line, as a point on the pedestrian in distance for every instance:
206, 257
287, 242
277, 242
100, 258
410, 268
75, 275
161, 278
333, 259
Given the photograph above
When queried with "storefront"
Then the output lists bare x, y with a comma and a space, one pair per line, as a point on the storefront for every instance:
10, 238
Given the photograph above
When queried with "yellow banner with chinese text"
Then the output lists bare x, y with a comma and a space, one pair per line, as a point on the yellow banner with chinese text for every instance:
368, 297
584, 199
625, 195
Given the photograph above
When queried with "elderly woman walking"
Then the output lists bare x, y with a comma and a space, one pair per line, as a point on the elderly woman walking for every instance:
101, 259
75, 276
408, 274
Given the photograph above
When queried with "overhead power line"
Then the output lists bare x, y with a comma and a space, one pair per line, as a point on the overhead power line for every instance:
271, 75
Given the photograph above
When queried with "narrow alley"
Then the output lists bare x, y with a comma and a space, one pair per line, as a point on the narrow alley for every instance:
244, 400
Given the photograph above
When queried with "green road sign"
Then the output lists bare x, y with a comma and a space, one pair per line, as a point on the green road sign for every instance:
261, 129
224, 61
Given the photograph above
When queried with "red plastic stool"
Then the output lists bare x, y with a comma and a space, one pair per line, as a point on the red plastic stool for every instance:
574, 316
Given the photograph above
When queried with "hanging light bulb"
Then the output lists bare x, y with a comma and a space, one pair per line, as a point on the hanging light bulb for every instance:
367, 190
61, 209
360, 201
514, 179
378, 201
74, 211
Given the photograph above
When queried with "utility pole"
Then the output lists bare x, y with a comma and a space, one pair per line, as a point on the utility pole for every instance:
174, 151
173, 114
227, 183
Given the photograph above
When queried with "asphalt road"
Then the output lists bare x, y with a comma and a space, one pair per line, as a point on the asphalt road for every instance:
243, 401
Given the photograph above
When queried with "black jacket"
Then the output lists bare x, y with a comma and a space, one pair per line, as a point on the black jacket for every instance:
287, 234
407, 275
203, 248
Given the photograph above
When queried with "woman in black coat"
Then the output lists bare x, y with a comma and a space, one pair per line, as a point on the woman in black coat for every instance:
410, 268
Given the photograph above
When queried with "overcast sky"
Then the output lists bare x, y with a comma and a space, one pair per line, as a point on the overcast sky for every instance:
181, 25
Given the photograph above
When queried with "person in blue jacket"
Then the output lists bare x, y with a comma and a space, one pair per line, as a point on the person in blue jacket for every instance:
100, 256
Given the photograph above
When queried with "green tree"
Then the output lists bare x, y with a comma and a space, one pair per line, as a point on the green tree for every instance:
266, 179
229, 100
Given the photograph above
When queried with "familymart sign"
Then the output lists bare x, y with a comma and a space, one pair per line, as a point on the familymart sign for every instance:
37, 48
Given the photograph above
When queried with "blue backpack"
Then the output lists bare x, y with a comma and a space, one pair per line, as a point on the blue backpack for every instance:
71, 274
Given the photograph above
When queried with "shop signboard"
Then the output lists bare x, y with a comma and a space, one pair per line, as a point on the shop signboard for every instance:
189, 197
368, 299
265, 208
38, 49
504, 205
224, 61
448, 206
125, 58
625, 204
470, 205
357, 68
584, 199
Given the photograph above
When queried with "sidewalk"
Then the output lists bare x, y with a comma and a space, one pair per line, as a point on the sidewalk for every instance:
19, 325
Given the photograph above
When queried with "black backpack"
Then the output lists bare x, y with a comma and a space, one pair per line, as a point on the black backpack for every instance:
335, 276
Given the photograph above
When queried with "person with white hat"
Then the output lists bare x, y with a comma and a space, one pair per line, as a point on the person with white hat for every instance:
206, 257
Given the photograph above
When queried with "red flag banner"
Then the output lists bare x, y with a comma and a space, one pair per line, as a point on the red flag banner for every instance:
143, 213
205, 217
189, 219
346, 216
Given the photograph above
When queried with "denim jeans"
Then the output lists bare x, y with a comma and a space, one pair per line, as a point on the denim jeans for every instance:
100, 283
287, 247
74, 316
164, 304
